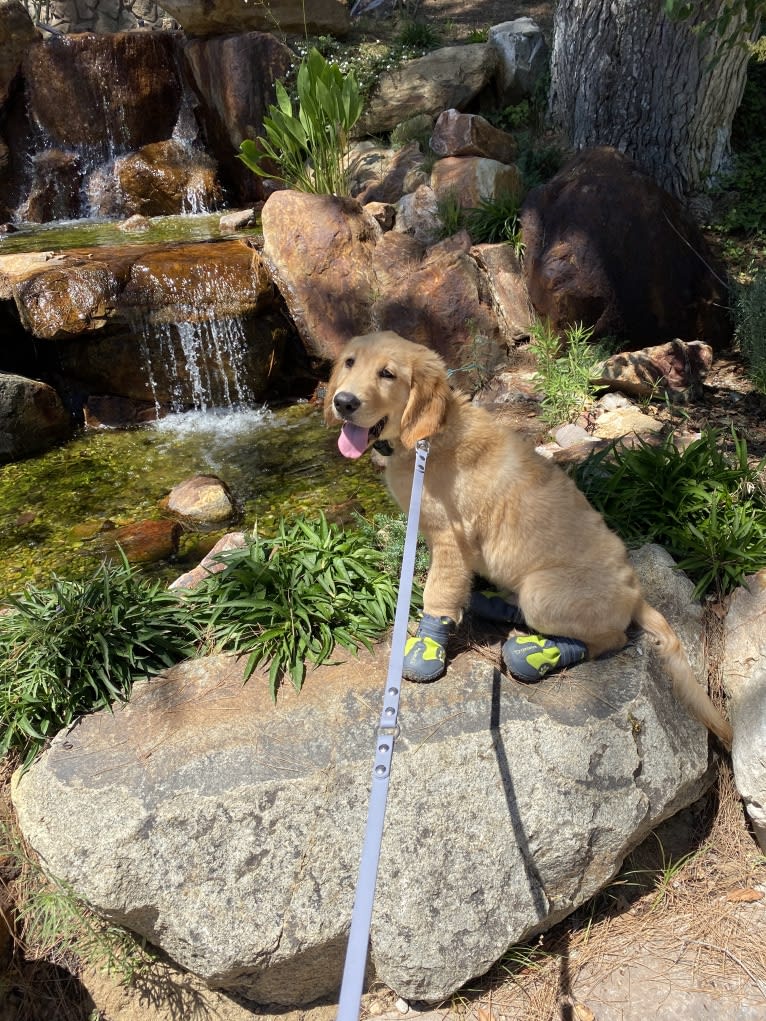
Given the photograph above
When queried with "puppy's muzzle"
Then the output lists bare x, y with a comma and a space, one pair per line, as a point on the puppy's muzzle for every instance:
345, 403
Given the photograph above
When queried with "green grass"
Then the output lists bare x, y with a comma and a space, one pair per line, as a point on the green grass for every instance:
705, 504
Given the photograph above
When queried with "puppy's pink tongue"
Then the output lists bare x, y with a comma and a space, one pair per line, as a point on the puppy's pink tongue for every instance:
352, 441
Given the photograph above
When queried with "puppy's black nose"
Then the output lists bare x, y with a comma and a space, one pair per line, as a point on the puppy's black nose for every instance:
345, 403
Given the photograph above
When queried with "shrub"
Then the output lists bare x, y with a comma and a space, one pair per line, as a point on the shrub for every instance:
705, 505
565, 367
495, 220
290, 599
387, 533
78, 645
750, 319
309, 150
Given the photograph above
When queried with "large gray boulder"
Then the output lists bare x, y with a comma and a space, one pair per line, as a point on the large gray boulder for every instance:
227, 829
744, 675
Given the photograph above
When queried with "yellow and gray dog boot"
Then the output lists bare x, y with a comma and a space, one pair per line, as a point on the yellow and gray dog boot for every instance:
425, 653
492, 605
531, 657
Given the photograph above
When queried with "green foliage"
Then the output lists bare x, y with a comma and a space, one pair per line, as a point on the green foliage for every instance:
290, 599
565, 367
451, 214
78, 645
743, 190
706, 506
495, 220
308, 150
750, 318
419, 34
386, 533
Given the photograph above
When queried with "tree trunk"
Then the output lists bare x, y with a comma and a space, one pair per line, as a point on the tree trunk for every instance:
624, 74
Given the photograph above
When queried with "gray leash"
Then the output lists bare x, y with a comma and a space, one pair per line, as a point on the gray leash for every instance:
385, 735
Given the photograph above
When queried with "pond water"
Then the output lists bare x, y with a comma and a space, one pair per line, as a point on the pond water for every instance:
281, 462
92, 233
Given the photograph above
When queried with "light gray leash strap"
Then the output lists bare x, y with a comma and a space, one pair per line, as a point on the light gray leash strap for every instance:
385, 735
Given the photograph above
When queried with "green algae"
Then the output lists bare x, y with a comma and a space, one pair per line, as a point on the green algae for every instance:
62, 235
54, 509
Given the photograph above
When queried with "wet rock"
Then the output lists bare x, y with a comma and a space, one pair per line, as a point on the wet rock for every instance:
122, 90
214, 17
55, 190
111, 411
143, 542
237, 219
32, 418
203, 499
233, 76
17, 34
580, 269
468, 134
165, 178
135, 224
441, 80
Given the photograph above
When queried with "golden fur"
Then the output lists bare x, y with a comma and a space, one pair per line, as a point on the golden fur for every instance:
493, 507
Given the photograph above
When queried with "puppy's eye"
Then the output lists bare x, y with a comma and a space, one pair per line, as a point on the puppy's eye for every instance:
386, 374
349, 363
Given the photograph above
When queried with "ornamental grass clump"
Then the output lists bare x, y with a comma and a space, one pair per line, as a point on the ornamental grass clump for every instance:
290, 599
706, 504
308, 150
77, 646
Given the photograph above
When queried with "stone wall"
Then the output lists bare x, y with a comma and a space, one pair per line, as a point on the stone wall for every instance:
99, 15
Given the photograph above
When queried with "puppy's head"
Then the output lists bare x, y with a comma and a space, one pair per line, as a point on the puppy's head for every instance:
384, 387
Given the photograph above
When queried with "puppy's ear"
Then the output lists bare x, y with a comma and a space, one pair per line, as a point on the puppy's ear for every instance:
427, 405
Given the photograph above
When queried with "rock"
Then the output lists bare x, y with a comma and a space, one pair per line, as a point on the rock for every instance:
234, 847
213, 17
233, 77
210, 564
17, 267
110, 411
237, 219
319, 249
472, 178
521, 55
580, 269
17, 34
164, 179
676, 367
440, 80
107, 16
389, 172
55, 189
32, 418
203, 499
418, 214
143, 542
744, 678
135, 224
82, 291
468, 134
437, 296
122, 90
620, 422
507, 287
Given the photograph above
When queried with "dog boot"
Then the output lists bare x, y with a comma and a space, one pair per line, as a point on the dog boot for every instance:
425, 653
531, 657
491, 605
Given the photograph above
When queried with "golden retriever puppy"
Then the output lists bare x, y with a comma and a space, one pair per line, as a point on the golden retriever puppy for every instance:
493, 507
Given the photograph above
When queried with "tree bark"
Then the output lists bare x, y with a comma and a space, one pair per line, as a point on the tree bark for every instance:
624, 74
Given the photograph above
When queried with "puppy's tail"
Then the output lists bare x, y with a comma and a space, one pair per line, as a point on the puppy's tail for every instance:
686, 689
